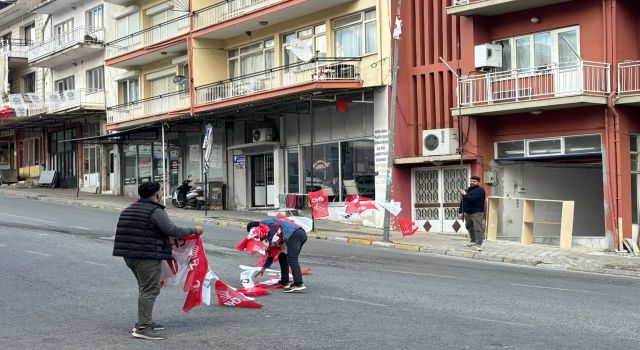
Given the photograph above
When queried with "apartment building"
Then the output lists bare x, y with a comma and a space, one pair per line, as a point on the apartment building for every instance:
55, 90
543, 108
293, 90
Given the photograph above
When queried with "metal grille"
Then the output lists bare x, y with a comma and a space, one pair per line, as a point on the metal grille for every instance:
453, 180
450, 213
426, 186
427, 214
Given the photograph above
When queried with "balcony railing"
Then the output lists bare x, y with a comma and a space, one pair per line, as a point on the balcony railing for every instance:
149, 36
579, 78
322, 69
629, 78
58, 43
227, 10
150, 106
75, 98
15, 47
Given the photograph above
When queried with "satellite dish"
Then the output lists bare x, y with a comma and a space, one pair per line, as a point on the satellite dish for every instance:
179, 79
301, 50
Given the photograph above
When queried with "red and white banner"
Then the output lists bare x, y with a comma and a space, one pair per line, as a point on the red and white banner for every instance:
230, 297
407, 227
319, 204
198, 268
355, 205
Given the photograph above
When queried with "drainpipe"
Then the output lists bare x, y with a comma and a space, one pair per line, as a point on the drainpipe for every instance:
616, 125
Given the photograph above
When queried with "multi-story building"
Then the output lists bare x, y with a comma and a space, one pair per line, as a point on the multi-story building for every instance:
293, 90
543, 108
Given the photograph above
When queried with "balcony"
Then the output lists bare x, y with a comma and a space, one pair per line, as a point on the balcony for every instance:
16, 51
143, 39
325, 71
534, 89
495, 7
227, 19
149, 107
75, 99
9, 12
629, 83
74, 44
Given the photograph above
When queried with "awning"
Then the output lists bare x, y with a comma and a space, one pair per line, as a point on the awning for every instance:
115, 137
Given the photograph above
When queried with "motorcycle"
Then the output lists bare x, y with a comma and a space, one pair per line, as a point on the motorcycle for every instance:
185, 196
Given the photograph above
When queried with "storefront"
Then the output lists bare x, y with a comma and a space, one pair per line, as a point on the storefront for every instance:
8, 171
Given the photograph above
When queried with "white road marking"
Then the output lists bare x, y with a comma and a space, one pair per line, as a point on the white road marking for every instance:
28, 218
497, 321
43, 234
95, 263
553, 288
37, 253
81, 228
420, 274
3, 245
353, 301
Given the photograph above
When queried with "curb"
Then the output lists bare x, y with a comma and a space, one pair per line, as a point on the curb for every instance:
324, 235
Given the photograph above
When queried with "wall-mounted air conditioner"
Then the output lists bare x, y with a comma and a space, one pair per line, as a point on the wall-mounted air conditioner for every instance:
264, 134
439, 142
488, 56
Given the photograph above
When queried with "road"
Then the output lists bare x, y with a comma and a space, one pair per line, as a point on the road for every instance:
62, 289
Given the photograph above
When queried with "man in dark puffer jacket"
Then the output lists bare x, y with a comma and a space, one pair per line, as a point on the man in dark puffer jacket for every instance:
142, 238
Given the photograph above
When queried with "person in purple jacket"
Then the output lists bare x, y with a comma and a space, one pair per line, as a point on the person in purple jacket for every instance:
294, 238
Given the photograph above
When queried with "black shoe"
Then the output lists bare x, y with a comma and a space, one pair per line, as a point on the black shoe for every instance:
147, 333
284, 284
294, 288
155, 326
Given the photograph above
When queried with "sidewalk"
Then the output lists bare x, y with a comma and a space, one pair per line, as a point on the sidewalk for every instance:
540, 256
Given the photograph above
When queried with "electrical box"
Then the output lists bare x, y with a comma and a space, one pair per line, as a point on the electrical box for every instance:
488, 56
490, 178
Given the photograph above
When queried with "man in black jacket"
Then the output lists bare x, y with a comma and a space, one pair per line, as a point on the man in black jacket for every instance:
472, 211
142, 238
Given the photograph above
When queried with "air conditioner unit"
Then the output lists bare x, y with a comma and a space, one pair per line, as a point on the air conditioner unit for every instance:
488, 56
439, 142
264, 134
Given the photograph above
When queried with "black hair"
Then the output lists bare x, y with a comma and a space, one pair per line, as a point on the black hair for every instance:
148, 189
251, 225
474, 177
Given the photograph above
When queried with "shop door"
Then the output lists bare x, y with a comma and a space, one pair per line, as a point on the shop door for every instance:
63, 157
436, 198
262, 181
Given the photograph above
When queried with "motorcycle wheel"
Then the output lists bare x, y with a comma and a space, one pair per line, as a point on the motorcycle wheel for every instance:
176, 203
198, 206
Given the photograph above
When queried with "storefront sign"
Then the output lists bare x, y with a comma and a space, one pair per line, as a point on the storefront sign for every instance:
321, 165
174, 167
239, 161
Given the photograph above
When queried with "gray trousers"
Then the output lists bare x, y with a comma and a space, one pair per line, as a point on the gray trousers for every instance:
473, 223
147, 274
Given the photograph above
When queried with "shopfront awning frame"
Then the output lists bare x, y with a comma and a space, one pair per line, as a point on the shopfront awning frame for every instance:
116, 137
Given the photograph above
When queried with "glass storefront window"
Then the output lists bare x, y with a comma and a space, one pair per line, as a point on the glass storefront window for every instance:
293, 168
130, 155
358, 168
145, 166
194, 157
158, 168
326, 172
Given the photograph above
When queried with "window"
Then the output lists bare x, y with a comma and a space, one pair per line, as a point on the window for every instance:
564, 145
314, 37
252, 58
63, 32
540, 49
29, 82
95, 80
91, 153
635, 178
127, 25
127, 91
356, 35
130, 161
293, 167
67, 83
29, 33
94, 18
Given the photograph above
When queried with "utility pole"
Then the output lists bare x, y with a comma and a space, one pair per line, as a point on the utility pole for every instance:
392, 120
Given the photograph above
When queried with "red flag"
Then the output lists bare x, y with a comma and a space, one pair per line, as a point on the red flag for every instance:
4, 112
407, 227
341, 105
253, 291
198, 267
355, 204
228, 296
319, 204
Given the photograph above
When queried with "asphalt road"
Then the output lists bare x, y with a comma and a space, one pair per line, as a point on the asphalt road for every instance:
62, 289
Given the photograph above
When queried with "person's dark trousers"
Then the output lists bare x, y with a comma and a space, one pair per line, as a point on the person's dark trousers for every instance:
294, 245
284, 268
473, 223
147, 273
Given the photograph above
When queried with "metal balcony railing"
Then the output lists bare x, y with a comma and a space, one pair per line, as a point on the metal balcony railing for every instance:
58, 43
321, 69
150, 106
549, 81
15, 47
149, 36
629, 78
227, 10
75, 98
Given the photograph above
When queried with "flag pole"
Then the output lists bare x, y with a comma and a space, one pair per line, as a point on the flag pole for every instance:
392, 121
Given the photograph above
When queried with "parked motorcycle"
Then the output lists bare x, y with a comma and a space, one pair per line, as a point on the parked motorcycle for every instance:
185, 196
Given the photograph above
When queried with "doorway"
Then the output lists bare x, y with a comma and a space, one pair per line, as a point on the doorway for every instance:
436, 198
262, 180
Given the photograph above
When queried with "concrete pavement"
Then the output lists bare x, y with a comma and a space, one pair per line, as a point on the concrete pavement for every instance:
539, 256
